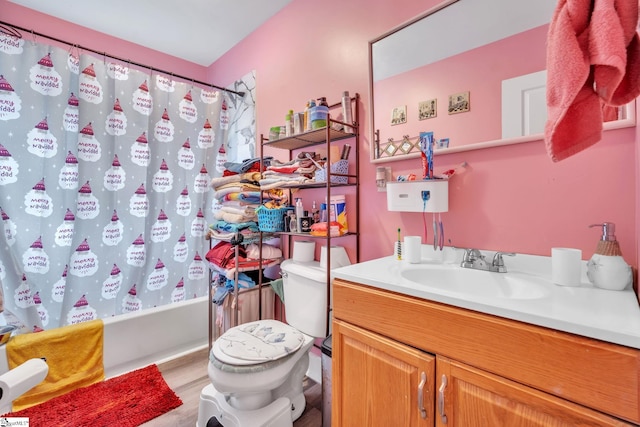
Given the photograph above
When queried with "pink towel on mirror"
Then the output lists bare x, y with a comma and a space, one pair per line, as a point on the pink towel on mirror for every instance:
591, 44
574, 116
614, 50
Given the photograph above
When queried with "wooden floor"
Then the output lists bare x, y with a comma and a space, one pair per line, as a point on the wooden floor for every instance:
187, 376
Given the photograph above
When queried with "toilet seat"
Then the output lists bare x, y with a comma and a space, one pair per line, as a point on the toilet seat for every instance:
257, 342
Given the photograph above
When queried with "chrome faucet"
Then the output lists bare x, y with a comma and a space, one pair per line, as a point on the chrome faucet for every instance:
475, 260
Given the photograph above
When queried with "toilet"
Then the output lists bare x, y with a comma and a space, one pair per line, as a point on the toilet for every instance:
257, 368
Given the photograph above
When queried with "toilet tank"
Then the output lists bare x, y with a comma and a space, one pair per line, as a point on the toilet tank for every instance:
305, 296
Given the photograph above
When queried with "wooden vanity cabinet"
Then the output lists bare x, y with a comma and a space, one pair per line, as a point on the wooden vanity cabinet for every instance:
471, 397
499, 372
380, 382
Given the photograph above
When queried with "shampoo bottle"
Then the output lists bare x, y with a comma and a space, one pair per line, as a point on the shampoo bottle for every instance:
607, 269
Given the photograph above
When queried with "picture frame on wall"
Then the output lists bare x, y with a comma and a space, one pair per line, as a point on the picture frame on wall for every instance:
442, 143
428, 109
399, 115
459, 103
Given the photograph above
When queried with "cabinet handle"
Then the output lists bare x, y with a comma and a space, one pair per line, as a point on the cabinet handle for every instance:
423, 381
443, 386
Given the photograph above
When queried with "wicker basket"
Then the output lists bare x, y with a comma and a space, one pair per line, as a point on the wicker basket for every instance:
341, 166
271, 219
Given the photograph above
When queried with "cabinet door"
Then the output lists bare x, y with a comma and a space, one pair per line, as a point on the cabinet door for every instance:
467, 396
379, 382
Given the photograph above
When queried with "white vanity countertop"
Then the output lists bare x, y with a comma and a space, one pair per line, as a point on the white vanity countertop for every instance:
612, 316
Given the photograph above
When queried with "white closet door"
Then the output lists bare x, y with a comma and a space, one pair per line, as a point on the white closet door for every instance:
524, 106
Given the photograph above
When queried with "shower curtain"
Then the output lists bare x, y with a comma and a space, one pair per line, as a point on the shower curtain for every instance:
104, 184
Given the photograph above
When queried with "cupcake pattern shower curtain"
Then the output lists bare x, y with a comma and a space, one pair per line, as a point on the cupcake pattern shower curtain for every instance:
104, 185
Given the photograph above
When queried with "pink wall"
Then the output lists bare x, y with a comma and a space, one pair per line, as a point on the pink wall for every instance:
63, 30
511, 198
479, 71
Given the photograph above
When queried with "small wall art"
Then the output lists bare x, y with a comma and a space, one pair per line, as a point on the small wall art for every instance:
459, 103
399, 115
442, 143
427, 109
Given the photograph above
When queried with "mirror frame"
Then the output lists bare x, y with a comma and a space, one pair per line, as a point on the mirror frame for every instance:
628, 121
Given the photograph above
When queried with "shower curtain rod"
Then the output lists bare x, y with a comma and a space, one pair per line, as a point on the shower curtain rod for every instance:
17, 34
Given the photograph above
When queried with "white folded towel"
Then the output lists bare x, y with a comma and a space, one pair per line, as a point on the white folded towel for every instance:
268, 252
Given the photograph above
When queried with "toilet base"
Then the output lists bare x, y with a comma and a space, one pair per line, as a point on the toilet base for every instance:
279, 413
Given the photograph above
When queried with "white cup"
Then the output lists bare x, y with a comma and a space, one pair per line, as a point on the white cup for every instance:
412, 247
566, 266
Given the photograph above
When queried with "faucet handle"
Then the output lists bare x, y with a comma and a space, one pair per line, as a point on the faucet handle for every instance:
498, 262
470, 257
472, 254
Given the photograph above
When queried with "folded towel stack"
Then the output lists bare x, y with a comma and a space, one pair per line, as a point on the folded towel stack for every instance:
593, 58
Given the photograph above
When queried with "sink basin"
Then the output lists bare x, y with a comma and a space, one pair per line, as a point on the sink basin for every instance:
458, 280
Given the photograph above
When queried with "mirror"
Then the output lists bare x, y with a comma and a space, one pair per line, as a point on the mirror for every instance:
470, 71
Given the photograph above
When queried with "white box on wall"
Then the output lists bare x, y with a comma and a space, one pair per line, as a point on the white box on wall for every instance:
408, 196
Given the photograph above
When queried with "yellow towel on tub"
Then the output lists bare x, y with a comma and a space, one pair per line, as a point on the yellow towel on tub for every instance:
74, 356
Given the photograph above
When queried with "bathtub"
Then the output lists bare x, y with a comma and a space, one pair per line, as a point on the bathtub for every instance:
155, 335
159, 334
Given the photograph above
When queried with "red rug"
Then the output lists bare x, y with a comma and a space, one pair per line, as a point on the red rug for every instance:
125, 401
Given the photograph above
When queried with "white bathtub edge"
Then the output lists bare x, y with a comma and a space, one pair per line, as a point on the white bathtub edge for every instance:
157, 335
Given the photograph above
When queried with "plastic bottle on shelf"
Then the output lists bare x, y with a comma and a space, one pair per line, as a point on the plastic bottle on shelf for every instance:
306, 125
323, 212
338, 211
297, 123
299, 213
315, 213
347, 115
319, 114
289, 123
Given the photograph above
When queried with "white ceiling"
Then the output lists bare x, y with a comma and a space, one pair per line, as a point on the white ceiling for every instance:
199, 31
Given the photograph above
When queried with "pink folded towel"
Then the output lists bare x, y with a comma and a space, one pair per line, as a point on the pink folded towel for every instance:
593, 57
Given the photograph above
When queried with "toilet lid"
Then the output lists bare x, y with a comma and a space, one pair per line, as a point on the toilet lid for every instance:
257, 342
